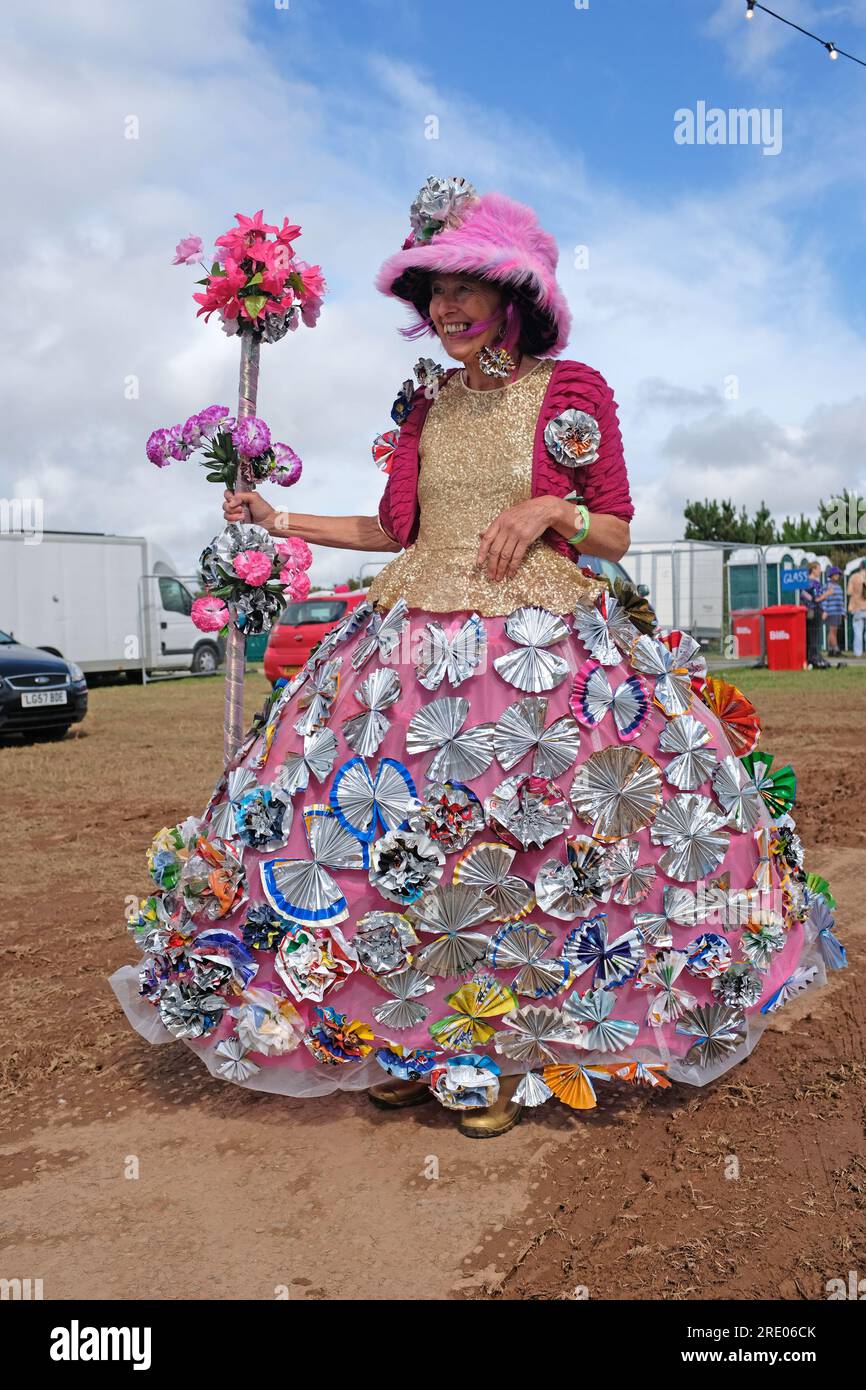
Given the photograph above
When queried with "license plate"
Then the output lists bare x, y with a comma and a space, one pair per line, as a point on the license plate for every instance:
32, 698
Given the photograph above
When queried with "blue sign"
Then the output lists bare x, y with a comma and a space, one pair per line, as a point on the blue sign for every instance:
794, 579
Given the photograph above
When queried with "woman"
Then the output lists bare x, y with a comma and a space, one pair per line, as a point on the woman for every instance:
499, 837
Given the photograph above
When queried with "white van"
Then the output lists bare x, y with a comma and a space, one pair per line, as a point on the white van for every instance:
108, 603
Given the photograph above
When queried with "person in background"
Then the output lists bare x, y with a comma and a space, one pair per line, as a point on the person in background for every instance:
834, 611
857, 605
812, 598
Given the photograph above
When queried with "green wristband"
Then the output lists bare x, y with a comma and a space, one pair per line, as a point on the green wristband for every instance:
580, 535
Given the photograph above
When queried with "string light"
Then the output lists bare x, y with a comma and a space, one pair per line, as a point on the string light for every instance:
833, 51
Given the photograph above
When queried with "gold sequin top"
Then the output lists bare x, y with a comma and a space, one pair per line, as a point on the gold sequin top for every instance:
475, 457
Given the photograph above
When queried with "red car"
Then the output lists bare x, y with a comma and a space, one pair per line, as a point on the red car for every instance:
302, 625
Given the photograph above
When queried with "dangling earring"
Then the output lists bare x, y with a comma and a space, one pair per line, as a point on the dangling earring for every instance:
496, 361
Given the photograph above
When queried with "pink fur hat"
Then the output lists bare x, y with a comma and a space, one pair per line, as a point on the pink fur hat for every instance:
455, 231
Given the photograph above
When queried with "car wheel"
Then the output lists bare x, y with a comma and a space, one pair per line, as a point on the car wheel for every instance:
49, 735
205, 660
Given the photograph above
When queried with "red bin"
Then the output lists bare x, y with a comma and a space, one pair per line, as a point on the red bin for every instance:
746, 627
785, 636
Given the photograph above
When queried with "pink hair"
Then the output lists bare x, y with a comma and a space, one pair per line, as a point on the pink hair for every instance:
510, 316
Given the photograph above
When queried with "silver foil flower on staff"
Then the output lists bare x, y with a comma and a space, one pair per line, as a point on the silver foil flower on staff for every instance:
566, 890
604, 628
661, 972
693, 832
717, 1032
449, 812
315, 759
403, 1010
440, 657
318, 695
692, 761
523, 946
521, 730
534, 1034
596, 1030
453, 911
462, 753
383, 942
487, 866
404, 864
619, 790
532, 667
382, 635
376, 693
526, 812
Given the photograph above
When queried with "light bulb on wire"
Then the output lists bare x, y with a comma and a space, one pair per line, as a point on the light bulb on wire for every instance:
750, 12
832, 50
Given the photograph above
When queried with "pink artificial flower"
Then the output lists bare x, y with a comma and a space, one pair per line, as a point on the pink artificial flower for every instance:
209, 614
253, 567
251, 436
310, 310
294, 552
188, 250
313, 278
287, 466
296, 584
158, 448
178, 449
287, 233
239, 239
221, 291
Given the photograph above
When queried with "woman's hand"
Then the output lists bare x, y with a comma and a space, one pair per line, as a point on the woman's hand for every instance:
507, 539
257, 509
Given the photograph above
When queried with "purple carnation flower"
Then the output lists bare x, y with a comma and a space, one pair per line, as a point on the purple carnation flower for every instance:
203, 426
177, 448
287, 466
251, 437
159, 448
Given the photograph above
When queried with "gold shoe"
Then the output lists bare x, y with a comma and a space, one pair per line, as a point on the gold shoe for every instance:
395, 1095
495, 1119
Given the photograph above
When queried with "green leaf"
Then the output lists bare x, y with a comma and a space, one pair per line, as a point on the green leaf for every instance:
255, 304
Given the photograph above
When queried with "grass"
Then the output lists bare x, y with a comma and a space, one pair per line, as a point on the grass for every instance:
752, 680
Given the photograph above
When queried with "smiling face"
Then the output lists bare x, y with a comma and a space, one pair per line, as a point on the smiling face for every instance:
458, 301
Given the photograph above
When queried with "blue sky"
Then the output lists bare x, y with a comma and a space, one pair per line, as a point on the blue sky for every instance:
723, 298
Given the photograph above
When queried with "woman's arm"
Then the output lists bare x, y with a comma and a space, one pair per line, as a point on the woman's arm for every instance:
338, 532
505, 542
608, 536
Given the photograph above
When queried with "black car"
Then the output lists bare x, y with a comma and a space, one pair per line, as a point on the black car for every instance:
41, 695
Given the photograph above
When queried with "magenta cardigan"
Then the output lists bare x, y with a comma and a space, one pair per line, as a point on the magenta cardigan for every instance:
603, 485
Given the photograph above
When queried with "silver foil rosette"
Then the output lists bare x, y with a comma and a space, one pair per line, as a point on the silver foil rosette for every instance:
740, 987
565, 890
686, 738
383, 942
708, 956
452, 912
466, 1083
440, 657
802, 978
760, 942
534, 1035
573, 439
462, 753
450, 813
188, 1012
526, 812
305, 889
263, 818
532, 667
404, 864
523, 946
619, 790
661, 972
487, 866
604, 629
591, 1013
312, 963
440, 203
318, 695
694, 836
716, 1030
234, 1063
267, 1024
738, 794
364, 803
375, 694
428, 372
403, 1010
681, 908
612, 962
382, 634
670, 672
630, 880
315, 759
532, 1090
521, 730
238, 782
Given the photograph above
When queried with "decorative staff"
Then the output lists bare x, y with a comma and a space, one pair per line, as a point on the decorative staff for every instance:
261, 291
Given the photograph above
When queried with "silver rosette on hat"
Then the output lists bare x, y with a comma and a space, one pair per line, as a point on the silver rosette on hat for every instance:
573, 439
462, 753
362, 802
692, 762
404, 864
304, 889
449, 813
440, 657
520, 730
619, 790
717, 1031
597, 1031
526, 812
316, 759
440, 203
604, 628
532, 667
612, 962
738, 794
403, 1010
661, 972
693, 832
740, 987
383, 942
565, 890
534, 1034
523, 946
453, 911
382, 635
376, 693
487, 867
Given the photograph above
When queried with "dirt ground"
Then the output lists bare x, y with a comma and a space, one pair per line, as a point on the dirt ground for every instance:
130, 1172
